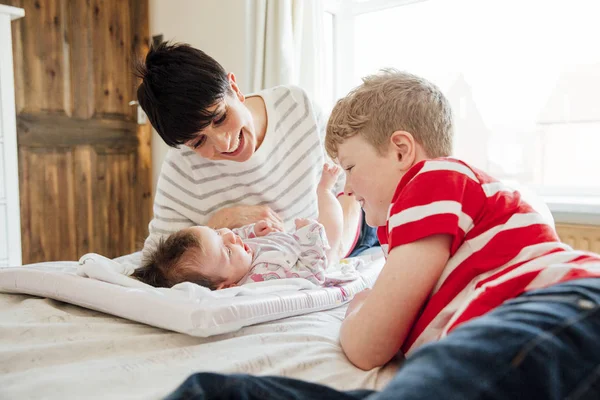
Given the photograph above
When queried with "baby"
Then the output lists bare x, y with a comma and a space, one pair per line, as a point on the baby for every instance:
222, 258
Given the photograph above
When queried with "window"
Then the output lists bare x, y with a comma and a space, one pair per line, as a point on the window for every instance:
329, 51
523, 78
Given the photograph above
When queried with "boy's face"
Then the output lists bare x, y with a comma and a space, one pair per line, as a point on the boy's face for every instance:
226, 256
372, 178
231, 135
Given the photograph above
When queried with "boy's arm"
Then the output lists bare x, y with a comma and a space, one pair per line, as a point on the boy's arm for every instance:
375, 329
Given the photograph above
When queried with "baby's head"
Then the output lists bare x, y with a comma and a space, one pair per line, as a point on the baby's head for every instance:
389, 123
215, 259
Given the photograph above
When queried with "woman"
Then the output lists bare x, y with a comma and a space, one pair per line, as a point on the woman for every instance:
242, 159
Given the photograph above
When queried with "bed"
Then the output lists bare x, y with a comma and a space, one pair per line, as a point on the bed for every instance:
55, 350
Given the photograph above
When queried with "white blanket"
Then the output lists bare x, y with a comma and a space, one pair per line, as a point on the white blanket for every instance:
55, 351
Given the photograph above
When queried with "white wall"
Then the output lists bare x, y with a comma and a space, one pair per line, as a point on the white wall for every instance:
219, 27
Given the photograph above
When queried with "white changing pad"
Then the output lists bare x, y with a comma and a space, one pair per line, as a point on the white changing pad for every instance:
186, 308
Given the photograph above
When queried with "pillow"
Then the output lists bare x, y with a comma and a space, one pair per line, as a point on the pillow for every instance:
104, 286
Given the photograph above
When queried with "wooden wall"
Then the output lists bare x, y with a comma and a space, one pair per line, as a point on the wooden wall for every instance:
84, 162
580, 237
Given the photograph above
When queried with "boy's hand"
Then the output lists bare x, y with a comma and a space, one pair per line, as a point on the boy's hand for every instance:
357, 301
264, 227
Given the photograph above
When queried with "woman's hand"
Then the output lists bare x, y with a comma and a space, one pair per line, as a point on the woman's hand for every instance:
237, 216
264, 227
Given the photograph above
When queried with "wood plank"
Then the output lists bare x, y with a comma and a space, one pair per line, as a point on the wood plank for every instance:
115, 211
42, 70
18, 63
58, 130
81, 58
101, 205
142, 175
65, 243
36, 182
25, 202
122, 43
112, 57
111, 210
84, 172
133, 204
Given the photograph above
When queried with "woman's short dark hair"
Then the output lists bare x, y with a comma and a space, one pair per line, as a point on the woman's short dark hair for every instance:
179, 84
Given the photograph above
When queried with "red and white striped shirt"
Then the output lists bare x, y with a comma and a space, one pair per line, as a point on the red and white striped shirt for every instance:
500, 246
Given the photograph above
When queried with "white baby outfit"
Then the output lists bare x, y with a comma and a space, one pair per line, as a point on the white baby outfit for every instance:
301, 254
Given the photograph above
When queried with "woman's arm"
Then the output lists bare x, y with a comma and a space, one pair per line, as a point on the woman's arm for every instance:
379, 322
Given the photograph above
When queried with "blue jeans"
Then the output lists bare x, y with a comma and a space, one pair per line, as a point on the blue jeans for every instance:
366, 239
544, 344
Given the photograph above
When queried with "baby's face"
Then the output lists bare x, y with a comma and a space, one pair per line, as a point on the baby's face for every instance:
226, 256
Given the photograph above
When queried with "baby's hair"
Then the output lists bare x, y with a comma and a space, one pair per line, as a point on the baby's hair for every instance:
393, 101
168, 264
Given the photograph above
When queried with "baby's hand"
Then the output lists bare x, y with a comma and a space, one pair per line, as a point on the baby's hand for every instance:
301, 222
329, 176
264, 227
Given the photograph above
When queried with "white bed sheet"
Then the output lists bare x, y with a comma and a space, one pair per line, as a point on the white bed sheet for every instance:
54, 350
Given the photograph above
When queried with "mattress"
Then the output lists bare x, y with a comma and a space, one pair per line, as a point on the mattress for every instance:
55, 350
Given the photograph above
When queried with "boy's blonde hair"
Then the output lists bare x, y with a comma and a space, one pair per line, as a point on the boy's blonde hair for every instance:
388, 102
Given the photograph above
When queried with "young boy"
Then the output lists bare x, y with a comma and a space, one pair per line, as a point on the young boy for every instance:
222, 258
477, 289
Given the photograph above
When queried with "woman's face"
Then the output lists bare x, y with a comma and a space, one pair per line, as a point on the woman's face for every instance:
231, 135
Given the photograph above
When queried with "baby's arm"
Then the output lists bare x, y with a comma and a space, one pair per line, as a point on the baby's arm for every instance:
245, 232
308, 260
261, 228
377, 324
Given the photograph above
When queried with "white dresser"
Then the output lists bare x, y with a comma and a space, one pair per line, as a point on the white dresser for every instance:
10, 221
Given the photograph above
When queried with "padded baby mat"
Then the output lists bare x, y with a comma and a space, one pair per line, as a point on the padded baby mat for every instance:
103, 285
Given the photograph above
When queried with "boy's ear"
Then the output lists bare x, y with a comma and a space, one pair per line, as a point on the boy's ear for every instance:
403, 146
234, 86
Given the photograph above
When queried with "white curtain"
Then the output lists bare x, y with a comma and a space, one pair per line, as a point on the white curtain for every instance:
287, 45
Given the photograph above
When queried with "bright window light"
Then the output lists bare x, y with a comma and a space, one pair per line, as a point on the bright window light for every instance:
523, 77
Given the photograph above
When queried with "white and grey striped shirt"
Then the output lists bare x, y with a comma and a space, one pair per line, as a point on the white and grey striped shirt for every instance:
283, 173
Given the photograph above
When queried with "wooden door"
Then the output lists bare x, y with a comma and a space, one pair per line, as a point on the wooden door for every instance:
84, 162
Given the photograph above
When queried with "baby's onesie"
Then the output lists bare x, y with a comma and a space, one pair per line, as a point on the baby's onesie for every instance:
287, 255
